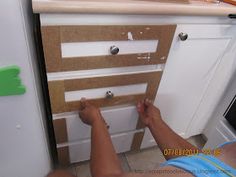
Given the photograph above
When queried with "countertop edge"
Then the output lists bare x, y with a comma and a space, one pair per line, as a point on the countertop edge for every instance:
131, 8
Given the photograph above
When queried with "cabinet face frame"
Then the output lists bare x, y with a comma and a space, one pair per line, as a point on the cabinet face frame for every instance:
58, 88
53, 36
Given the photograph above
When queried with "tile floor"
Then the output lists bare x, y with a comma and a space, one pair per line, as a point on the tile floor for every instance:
143, 160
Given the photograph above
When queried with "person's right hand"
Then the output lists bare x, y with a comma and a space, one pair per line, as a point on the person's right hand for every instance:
89, 113
148, 113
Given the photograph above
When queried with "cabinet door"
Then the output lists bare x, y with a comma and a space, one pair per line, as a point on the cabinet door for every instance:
192, 66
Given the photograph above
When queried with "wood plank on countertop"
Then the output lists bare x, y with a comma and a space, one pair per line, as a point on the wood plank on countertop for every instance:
196, 7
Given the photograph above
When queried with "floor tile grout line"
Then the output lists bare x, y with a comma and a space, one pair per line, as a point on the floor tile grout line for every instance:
127, 162
76, 171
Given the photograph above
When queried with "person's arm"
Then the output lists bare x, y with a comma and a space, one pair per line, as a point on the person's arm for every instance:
168, 141
60, 173
104, 160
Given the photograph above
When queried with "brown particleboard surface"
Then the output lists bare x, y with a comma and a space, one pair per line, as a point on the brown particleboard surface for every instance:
63, 156
137, 141
103, 102
53, 36
58, 88
110, 81
138, 137
60, 130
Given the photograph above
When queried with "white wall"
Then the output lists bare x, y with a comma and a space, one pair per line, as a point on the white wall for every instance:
23, 150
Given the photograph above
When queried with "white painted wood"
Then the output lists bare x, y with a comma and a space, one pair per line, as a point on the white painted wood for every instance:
149, 141
24, 150
52, 19
190, 68
188, 74
227, 130
101, 92
81, 151
221, 107
197, 72
104, 72
223, 132
217, 87
102, 48
215, 140
218, 130
120, 120
205, 32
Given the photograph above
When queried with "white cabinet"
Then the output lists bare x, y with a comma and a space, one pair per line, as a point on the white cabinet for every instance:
197, 70
186, 97
223, 132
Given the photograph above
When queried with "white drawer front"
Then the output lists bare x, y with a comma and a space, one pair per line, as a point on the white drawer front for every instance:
101, 92
119, 120
102, 48
81, 151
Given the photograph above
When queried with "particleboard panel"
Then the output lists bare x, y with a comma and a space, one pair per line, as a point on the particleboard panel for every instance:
137, 141
63, 156
57, 90
60, 130
138, 137
53, 36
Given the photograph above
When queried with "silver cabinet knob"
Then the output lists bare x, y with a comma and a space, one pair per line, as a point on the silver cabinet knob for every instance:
183, 36
114, 50
109, 94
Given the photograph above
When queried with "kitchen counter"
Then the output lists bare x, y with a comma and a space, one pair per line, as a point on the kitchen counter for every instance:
169, 7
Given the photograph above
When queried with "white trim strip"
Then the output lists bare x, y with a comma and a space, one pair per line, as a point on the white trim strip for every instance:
102, 48
89, 140
101, 92
104, 72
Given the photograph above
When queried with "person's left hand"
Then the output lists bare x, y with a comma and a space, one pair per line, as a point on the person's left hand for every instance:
89, 113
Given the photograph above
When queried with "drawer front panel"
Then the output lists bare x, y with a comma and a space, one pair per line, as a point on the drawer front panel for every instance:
69, 48
88, 49
58, 89
96, 93
70, 128
80, 151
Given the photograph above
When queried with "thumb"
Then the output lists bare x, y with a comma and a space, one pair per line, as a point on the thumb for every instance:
147, 102
141, 110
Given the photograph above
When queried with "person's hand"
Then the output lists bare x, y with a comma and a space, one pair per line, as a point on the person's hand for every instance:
89, 113
148, 112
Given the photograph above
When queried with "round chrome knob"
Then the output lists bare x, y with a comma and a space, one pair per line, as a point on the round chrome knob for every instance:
109, 94
183, 36
114, 50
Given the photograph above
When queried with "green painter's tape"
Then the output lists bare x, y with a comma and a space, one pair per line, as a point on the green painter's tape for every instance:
10, 82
